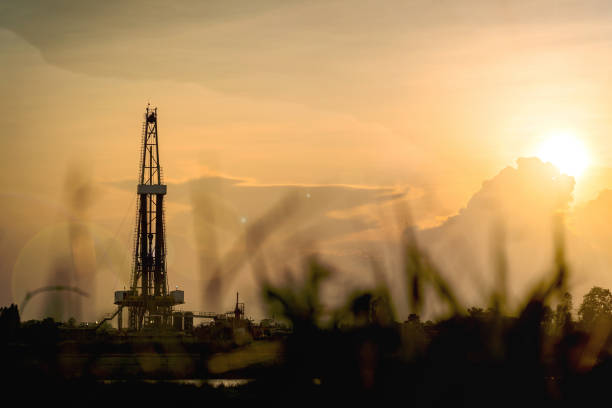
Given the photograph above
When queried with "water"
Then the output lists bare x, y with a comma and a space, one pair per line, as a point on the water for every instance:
212, 382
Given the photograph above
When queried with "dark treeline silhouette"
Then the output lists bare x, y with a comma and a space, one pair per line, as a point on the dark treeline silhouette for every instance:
9, 323
359, 353
362, 354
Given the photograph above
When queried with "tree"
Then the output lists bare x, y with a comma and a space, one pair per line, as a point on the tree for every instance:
9, 322
596, 304
547, 317
413, 318
563, 313
482, 314
476, 312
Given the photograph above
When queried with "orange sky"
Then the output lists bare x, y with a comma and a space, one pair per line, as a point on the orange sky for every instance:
413, 101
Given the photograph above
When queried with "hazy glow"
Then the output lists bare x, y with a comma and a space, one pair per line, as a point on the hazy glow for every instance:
566, 152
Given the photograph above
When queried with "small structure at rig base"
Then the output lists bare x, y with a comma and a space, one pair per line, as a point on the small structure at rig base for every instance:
177, 321
231, 326
188, 321
148, 301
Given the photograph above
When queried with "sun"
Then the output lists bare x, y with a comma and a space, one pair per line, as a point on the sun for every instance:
566, 152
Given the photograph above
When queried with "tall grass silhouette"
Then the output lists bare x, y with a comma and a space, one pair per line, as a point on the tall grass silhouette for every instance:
360, 352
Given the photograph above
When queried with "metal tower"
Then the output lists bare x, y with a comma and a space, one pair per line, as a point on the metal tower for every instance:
148, 301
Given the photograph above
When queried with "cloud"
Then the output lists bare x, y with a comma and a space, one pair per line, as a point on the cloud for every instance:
517, 206
324, 210
271, 47
215, 215
66, 24
590, 242
533, 185
207, 219
344, 224
591, 220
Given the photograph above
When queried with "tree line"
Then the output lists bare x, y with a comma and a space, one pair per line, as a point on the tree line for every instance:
596, 307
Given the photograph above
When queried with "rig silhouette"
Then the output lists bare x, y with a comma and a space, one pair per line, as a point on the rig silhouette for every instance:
149, 303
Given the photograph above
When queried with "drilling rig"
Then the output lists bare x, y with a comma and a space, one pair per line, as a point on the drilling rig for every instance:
149, 303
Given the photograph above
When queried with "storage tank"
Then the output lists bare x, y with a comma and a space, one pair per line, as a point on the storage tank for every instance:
177, 321
121, 295
178, 296
188, 321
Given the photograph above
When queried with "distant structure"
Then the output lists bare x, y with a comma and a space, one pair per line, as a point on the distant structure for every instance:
234, 317
238, 310
149, 303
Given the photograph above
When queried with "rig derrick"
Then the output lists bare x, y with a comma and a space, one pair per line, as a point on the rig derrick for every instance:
149, 303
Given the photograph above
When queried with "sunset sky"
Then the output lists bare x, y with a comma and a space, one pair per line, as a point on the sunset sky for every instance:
447, 109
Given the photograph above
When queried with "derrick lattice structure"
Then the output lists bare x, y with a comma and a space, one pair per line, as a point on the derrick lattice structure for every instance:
148, 301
